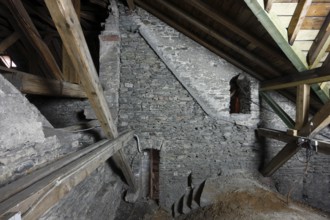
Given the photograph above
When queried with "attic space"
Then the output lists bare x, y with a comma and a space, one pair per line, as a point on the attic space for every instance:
164, 109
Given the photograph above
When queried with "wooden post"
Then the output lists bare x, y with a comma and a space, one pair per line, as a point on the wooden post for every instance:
69, 28
302, 105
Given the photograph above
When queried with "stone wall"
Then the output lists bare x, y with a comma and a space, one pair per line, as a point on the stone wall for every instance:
163, 97
167, 117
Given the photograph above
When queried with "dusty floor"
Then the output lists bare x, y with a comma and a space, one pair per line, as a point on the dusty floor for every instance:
246, 205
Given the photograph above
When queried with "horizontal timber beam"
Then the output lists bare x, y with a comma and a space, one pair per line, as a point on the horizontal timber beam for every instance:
32, 84
323, 146
43, 188
69, 28
307, 77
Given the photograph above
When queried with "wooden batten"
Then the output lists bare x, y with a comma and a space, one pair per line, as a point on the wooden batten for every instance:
298, 19
32, 84
320, 44
69, 28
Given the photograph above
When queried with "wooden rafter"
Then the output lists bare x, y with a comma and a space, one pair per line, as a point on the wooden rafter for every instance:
302, 105
32, 84
278, 110
307, 77
45, 187
320, 44
68, 26
8, 41
298, 19
268, 4
278, 33
69, 72
207, 10
27, 28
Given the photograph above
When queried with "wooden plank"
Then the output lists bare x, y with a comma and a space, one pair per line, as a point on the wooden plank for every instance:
309, 23
278, 33
315, 10
278, 110
29, 31
226, 42
281, 158
268, 4
32, 84
68, 26
298, 19
302, 105
320, 44
207, 10
69, 72
8, 41
307, 77
37, 198
320, 120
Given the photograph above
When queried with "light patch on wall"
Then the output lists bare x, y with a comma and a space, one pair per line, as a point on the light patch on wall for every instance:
7, 61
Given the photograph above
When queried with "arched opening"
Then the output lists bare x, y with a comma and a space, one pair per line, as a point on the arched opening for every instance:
240, 95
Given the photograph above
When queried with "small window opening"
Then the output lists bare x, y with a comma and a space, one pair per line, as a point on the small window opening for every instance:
240, 95
152, 157
7, 61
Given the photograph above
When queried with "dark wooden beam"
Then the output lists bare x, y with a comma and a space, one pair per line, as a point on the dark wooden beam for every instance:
302, 105
298, 19
32, 84
323, 146
268, 4
307, 77
181, 15
281, 158
320, 44
210, 12
69, 28
278, 110
8, 41
28, 30
56, 179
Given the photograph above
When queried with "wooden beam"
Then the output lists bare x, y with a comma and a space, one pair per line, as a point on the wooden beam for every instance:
281, 158
320, 44
209, 11
268, 4
278, 33
298, 19
307, 77
32, 84
302, 105
320, 120
323, 146
69, 72
50, 184
130, 4
7, 42
68, 26
226, 42
29, 31
278, 110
